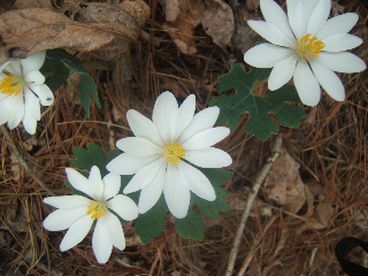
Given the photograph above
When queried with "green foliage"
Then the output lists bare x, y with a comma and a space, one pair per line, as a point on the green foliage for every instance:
281, 103
58, 65
86, 158
213, 208
151, 224
190, 227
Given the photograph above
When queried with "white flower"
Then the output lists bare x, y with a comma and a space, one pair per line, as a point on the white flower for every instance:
77, 213
305, 46
161, 153
22, 90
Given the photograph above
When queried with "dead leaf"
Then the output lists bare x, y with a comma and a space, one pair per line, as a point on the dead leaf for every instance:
218, 22
182, 18
252, 5
320, 218
172, 10
26, 4
244, 37
283, 184
361, 218
101, 26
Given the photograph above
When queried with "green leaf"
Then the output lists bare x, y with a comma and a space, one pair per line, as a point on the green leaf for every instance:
150, 225
86, 158
57, 67
213, 208
281, 103
88, 91
190, 227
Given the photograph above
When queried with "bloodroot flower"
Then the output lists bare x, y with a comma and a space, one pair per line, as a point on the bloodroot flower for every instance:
165, 151
305, 46
22, 90
77, 213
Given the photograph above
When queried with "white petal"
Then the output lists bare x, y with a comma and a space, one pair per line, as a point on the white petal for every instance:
144, 176
176, 193
126, 164
282, 72
308, 8
5, 108
343, 62
208, 158
204, 119
341, 42
124, 206
266, 55
329, 81
29, 123
79, 182
66, 201
14, 67
206, 138
319, 16
143, 127
276, 16
35, 77
270, 33
43, 92
306, 84
115, 229
165, 113
137, 146
112, 183
76, 233
297, 17
33, 62
16, 112
62, 219
197, 182
32, 105
339, 24
101, 243
152, 192
185, 115
4, 65
95, 182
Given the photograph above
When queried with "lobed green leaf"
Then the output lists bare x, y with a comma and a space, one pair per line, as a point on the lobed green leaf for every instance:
281, 103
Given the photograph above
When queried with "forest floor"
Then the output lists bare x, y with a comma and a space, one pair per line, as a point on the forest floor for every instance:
293, 228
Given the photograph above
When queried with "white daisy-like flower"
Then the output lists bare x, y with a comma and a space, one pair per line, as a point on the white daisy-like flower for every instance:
77, 213
22, 90
307, 46
163, 153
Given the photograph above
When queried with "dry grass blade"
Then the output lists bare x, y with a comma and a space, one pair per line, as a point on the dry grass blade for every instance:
275, 152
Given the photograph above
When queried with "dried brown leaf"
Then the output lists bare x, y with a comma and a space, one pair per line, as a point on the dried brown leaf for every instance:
26, 4
218, 22
283, 184
188, 18
23, 32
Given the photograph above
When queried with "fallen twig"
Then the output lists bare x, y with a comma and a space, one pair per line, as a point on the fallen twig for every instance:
22, 162
275, 152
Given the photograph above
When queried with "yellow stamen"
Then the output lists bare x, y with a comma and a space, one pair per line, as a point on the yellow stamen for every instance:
173, 152
96, 209
308, 46
11, 84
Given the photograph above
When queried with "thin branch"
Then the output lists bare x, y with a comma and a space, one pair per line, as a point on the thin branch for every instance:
22, 162
275, 152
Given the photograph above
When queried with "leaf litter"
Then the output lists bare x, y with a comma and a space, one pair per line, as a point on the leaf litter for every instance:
333, 132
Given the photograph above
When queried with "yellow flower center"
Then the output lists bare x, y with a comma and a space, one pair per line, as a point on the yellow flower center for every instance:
96, 209
173, 153
308, 46
11, 84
